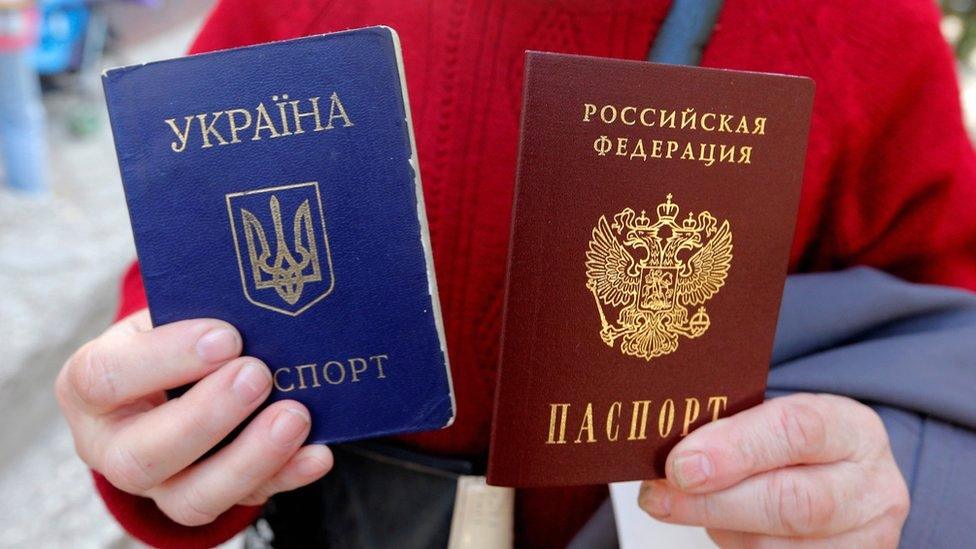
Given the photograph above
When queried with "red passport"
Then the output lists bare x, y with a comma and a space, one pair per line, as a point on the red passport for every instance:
653, 218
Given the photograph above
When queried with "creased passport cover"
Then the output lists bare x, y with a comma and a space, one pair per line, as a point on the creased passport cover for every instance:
654, 213
276, 187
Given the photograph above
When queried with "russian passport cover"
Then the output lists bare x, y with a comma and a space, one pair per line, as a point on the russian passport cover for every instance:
276, 187
654, 213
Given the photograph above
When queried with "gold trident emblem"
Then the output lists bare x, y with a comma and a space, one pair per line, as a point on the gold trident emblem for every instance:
285, 274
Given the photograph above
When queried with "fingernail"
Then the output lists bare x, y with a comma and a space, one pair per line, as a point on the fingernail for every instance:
288, 425
656, 500
692, 470
218, 344
252, 382
311, 466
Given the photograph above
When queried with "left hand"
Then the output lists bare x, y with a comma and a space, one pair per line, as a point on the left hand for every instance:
807, 470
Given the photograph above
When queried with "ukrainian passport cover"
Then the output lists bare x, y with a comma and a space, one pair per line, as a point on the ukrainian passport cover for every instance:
654, 213
276, 187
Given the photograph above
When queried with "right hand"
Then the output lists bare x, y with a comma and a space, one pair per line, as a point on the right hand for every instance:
112, 392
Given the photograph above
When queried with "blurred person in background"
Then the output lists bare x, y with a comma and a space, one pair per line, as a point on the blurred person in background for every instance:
22, 148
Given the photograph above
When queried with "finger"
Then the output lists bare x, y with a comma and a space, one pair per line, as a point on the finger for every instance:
804, 500
139, 321
728, 539
797, 429
305, 467
204, 491
882, 534
163, 441
128, 362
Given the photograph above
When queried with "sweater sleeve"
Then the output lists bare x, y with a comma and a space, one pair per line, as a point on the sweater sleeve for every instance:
904, 198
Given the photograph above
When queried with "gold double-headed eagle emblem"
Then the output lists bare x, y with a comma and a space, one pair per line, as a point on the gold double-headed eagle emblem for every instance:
291, 270
651, 272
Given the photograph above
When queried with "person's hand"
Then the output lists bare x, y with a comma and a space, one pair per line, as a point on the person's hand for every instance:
803, 470
112, 394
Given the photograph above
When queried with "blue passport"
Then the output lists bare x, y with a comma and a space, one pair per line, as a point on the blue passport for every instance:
276, 187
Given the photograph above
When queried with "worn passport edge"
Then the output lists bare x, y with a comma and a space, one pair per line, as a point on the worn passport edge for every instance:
414, 160
108, 74
491, 473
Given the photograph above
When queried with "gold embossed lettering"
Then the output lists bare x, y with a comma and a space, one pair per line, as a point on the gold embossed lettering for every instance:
638, 420
208, 129
587, 425
299, 115
716, 405
234, 126
613, 421
337, 112
356, 367
589, 109
557, 413
334, 368
264, 123
183, 136
692, 409
665, 418
277, 382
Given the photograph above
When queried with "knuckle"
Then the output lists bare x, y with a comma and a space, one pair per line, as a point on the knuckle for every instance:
900, 509
254, 500
262, 494
247, 474
730, 539
717, 536
887, 535
802, 427
900, 502
250, 476
200, 423
704, 508
872, 421
62, 388
862, 414
83, 450
801, 508
187, 507
125, 471
90, 376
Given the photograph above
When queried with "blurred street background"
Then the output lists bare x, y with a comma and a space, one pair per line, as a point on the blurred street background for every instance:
61, 254
62, 250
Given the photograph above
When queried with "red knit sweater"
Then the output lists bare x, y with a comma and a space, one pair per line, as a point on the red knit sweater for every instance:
890, 176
